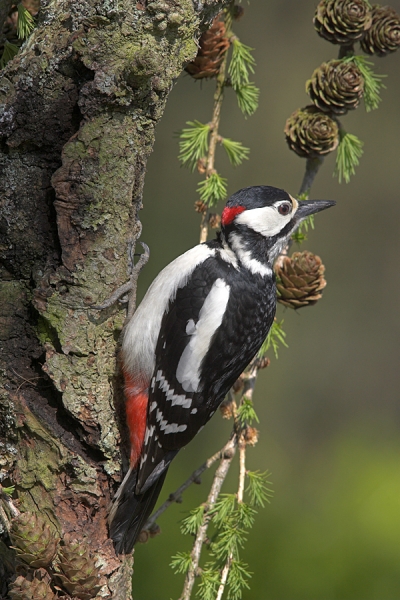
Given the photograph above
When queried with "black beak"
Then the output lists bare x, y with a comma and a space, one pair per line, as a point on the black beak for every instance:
309, 207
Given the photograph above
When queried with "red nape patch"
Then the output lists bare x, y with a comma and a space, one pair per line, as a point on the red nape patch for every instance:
136, 415
228, 214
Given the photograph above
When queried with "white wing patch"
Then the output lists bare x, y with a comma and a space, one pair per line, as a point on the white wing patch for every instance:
210, 318
141, 334
254, 265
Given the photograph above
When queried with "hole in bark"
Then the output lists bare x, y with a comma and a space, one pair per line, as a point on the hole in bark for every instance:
117, 335
5, 149
82, 73
76, 70
67, 23
76, 117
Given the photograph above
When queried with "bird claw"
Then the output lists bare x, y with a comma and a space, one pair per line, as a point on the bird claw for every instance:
128, 288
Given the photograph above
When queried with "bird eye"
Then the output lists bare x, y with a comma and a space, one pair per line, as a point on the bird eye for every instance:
285, 208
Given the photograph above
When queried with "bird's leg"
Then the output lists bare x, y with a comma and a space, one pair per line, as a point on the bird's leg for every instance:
130, 286
134, 278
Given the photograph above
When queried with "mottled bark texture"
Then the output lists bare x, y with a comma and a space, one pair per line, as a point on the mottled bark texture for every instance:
79, 105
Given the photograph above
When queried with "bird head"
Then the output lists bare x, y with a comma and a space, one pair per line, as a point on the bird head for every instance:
261, 219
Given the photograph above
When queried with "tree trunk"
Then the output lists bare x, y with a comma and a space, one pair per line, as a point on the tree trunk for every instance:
79, 105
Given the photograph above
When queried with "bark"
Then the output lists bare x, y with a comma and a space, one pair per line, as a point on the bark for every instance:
79, 105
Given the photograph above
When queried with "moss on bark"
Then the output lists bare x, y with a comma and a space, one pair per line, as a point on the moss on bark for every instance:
79, 105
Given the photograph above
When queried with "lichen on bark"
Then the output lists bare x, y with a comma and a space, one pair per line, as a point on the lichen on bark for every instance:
78, 109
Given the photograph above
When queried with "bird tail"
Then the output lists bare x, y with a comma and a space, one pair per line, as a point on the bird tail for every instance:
130, 511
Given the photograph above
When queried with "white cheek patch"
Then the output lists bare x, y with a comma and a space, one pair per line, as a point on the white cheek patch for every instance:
266, 220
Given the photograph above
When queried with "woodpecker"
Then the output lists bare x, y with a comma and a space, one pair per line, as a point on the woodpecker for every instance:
201, 322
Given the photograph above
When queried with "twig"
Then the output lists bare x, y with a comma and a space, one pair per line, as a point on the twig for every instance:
312, 168
204, 226
227, 454
214, 138
219, 478
346, 50
175, 496
224, 577
250, 379
242, 470
240, 494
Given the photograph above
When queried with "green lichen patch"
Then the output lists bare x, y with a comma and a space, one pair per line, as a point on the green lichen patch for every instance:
46, 333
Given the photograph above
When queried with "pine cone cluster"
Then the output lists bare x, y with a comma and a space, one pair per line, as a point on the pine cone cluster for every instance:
336, 87
213, 45
311, 133
383, 36
30, 588
76, 570
33, 540
300, 279
342, 21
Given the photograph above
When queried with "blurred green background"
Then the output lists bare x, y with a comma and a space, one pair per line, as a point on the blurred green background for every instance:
329, 407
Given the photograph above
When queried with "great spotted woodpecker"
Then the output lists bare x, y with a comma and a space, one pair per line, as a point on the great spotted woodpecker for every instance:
201, 322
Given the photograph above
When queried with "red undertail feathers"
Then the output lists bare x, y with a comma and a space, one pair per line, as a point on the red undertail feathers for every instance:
136, 398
